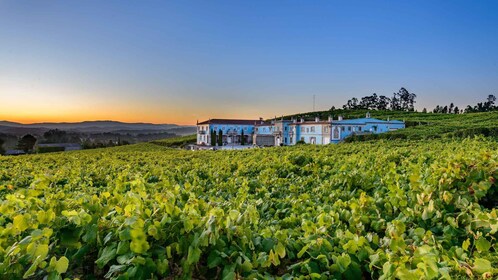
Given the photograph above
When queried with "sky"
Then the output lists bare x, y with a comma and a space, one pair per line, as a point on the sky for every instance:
183, 61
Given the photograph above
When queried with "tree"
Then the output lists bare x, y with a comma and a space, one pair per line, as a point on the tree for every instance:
213, 137
456, 110
445, 110
406, 100
2, 151
383, 102
220, 138
55, 136
469, 109
351, 104
368, 102
395, 102
490, 102
424, 110
26, 143
242, 138
450, 109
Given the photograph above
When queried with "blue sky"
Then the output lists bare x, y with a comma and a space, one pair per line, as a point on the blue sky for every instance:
179, 61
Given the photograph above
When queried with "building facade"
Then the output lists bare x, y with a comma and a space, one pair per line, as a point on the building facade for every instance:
272, 133
290, 132
341, 128
232, 131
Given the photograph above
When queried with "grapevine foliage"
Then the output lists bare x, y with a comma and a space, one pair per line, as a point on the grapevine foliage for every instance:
382, 210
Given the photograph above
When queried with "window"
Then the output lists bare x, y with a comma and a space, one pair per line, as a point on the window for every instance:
245, 128
343, 128
312, 129
302, 129
325, 129
285, 140
349, 128
285, 128
307, 129
256, 129
335, 135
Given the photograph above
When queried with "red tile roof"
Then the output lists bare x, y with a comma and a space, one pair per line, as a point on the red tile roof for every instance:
229, 121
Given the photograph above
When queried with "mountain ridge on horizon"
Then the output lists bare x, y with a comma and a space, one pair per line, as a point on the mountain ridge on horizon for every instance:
100, 126
10, 123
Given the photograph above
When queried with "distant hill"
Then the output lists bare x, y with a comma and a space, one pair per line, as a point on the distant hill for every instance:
94, 127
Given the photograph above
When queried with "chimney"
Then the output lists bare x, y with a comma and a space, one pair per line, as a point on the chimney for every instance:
317, 119
260, 120
340, 118
368, 115
294, 120
302, 120
330, 119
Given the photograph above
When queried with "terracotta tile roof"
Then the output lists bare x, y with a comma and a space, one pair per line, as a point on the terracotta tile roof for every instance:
229, 121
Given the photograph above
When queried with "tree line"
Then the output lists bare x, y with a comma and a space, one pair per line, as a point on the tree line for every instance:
486, 106
403, 100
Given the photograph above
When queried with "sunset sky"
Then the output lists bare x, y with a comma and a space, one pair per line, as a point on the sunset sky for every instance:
179, 61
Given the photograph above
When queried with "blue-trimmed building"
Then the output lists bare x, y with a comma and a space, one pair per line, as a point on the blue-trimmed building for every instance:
341, 128
232, 131
289, 132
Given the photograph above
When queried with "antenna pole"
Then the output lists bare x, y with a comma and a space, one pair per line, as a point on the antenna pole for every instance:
313, 103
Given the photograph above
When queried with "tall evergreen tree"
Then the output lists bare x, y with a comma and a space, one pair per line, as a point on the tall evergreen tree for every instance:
2, 151
242, 138
213, 137
220, 138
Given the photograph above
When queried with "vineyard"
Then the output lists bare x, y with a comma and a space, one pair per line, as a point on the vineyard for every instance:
366, 210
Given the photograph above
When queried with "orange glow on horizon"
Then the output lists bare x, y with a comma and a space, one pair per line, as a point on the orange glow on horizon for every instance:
79, 118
